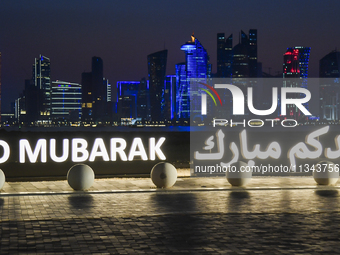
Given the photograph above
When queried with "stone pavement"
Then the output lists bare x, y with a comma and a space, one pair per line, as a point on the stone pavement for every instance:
184, 183
272, 215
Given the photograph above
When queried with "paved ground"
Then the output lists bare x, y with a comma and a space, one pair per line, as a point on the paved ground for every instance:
197, 216
146, 185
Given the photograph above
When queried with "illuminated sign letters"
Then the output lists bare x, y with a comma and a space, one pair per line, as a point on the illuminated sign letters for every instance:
81, 152
6, 150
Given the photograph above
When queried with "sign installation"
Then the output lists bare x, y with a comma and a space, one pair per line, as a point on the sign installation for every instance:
78, 150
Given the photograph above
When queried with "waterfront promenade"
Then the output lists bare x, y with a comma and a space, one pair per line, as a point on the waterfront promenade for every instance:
272, 215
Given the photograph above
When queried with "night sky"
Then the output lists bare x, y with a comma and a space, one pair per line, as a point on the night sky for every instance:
123, 33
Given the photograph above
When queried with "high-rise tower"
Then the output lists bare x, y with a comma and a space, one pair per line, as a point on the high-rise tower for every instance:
65, 101
95, 104
196, 66
156, 75
224, 55
133, 99
295, 62
295, 73
170, 97
244, 61
182, 92
87, 98
42, 82
329, 67
252, 53
240, 67
98, 88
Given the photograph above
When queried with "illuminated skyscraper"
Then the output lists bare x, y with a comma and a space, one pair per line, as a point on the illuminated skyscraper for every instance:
42, 81
291, 67
329, 67
169, 101
98, 90
87, 98
133, 99
66, 101
224, 55
38, 91
196, 66
244, 63
240, 61
240, 67
143, 100
252, 53
108, 90
182, 93
295, 62
96, 105
156, 75
127, 98
295, 65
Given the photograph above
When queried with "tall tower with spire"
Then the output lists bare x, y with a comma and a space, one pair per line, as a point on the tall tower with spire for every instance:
196, 66
42, 82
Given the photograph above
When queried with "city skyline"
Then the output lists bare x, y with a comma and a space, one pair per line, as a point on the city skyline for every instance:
70, 34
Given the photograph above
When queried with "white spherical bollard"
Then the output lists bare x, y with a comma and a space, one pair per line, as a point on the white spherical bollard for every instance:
239, 174
80, 177
2, 179
164, 175
326, 173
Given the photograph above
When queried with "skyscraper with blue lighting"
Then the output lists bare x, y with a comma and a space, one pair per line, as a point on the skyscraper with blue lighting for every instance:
133, 99
127, 92
169, 98
196, 66
182, 92
66, 101
38, 91
42, 81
